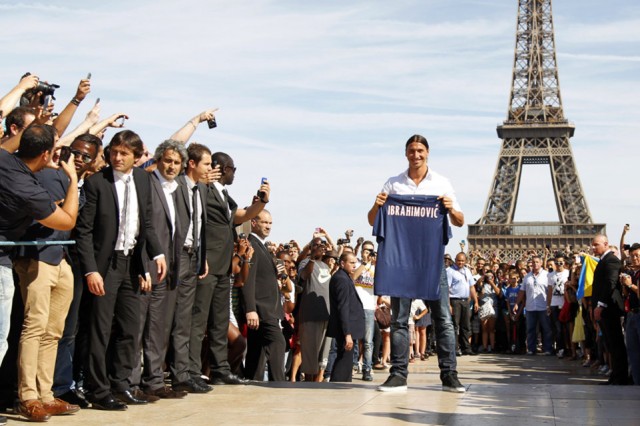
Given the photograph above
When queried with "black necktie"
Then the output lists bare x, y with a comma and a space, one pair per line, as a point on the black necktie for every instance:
225, 195
194, 217
125, 214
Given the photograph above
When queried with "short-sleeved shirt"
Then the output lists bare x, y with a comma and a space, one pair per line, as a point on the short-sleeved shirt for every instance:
535, 287
22, 199
314, 304
511, 294
460, 282
558, 280
364, 287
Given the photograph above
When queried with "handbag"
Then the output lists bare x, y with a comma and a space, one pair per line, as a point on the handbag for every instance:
383, 316
486, 310
565, 312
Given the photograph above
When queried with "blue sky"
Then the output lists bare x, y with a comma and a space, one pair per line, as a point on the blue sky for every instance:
320, 96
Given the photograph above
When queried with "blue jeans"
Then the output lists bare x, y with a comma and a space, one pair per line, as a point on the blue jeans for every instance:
367, 342
7, 288
533, 318
445, 334
632, 331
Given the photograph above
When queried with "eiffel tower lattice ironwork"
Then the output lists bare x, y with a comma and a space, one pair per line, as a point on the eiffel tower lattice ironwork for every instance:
535, 132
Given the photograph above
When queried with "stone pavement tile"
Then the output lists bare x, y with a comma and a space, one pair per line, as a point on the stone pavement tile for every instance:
594, 392
563, 414
575, 403
497, 420
621, 403
590, 422
505, 400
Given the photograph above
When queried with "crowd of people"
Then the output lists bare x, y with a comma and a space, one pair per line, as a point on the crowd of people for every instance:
138, 277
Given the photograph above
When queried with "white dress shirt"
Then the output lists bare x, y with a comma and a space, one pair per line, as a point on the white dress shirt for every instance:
127, 232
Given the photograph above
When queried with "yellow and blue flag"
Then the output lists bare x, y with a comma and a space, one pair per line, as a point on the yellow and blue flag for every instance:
585, 282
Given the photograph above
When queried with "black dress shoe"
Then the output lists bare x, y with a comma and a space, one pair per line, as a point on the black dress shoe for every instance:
191, 386
229, 379
129, 398
200, 381
74, 396
108, 403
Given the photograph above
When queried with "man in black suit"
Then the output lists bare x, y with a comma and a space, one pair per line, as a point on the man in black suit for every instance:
606, 298
263, 306
113, 228
211, 306
192, 263
157, 305
346, 322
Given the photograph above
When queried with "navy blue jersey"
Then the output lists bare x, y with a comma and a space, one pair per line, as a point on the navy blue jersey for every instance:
412, 232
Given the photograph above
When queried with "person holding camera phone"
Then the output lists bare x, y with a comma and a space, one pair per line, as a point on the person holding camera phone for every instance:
630, 281
363, 277
314, 308
46, 282
211, 305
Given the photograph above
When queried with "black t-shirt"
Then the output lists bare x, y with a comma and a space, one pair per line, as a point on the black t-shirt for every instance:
22, 199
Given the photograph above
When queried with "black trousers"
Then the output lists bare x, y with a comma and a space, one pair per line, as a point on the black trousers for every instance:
462, 322
612, 333
119, 309
343, 366
266, 345
211, 313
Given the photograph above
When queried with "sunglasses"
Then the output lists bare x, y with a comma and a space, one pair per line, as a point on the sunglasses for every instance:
86, 158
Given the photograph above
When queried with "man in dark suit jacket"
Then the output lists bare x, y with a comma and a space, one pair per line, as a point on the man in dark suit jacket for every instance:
111, 237
263, 307
346, 322
156, 307
606, 298
192, 263
211, 306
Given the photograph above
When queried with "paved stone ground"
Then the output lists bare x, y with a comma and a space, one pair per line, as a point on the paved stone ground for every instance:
501, 390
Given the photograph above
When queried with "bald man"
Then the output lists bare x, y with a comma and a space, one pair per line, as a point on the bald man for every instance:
609, 307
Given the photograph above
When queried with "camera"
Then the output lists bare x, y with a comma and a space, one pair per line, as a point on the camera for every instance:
47, 89
65, 154
242, 236
212, 123
281, 275
286, 247
373, 254
342, 241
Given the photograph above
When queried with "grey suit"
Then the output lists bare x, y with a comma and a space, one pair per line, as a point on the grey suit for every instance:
157, 305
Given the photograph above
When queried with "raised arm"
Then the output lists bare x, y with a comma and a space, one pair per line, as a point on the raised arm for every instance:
92, 118
62, 122
11, 99
185, 132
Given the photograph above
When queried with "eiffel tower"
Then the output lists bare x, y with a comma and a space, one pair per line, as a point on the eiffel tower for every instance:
535, 132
